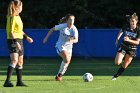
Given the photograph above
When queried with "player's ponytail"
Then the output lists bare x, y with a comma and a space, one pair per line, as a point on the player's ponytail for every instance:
64, 19
12, 7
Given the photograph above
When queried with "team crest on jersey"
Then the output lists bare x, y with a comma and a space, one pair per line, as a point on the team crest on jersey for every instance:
67, 33
130, 34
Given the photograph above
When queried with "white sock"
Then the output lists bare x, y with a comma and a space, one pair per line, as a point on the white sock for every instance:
12, 65
63, 67
19, 67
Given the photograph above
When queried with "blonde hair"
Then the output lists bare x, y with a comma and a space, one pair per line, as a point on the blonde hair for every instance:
13, 5
134, 16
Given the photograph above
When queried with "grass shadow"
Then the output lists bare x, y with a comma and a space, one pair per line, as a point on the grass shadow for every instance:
78, 66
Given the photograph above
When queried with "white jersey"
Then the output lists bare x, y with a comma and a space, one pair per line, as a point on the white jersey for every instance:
66, 33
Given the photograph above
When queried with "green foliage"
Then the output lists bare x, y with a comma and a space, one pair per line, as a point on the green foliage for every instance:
89, 13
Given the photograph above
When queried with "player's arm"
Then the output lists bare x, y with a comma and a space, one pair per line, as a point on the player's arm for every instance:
74, 39
12, 26
14, 40
118, 37
134, 42
12, 35
48, 35
29, 39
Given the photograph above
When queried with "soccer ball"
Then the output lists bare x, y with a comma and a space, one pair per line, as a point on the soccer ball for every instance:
87, 77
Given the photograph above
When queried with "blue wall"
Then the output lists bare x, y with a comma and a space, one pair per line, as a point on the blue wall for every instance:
92, 43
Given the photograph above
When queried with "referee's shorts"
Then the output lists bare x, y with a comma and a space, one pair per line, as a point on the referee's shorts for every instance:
12, 46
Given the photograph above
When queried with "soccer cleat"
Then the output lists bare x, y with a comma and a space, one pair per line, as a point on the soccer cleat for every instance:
114, 78
58, 77
8, 84
21, 84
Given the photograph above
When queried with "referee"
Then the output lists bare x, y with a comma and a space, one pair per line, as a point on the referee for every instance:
15, 34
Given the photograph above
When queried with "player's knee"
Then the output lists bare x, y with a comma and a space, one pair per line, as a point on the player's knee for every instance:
125, 65
19, 66
12, 65
20, 62
67, 61
14, 61
117, 63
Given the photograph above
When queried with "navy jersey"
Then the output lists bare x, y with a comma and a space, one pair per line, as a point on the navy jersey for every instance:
132, 34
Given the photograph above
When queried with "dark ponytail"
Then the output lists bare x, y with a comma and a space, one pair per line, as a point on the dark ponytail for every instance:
64, 19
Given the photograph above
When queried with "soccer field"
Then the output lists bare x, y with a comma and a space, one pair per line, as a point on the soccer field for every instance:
39, 76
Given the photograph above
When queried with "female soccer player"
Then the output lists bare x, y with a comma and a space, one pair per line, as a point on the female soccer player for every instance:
15, 35
68, 35
127, 49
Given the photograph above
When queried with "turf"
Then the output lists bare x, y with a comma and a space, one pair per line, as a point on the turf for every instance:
39, 75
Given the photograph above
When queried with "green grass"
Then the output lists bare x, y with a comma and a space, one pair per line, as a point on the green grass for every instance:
39, 76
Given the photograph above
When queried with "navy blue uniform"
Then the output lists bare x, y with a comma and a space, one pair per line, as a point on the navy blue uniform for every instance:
126, 47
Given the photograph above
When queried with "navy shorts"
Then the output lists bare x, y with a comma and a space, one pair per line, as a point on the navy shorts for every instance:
123, 50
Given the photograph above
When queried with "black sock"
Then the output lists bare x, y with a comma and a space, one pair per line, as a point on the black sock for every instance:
19, 75
9, 73
119, 72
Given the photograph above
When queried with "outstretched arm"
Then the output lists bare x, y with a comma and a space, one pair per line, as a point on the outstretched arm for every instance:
48, 35
118, 37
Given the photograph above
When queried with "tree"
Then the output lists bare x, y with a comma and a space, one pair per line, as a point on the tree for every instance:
89, 13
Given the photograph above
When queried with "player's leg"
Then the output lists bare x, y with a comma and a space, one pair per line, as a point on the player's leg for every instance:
19, 68
118, 60
127, 61
12, 65
66, 60
129, 57
65, 63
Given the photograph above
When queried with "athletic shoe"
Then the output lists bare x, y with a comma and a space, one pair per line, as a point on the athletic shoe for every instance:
21, 84
58, 77
114, 78
8, 84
